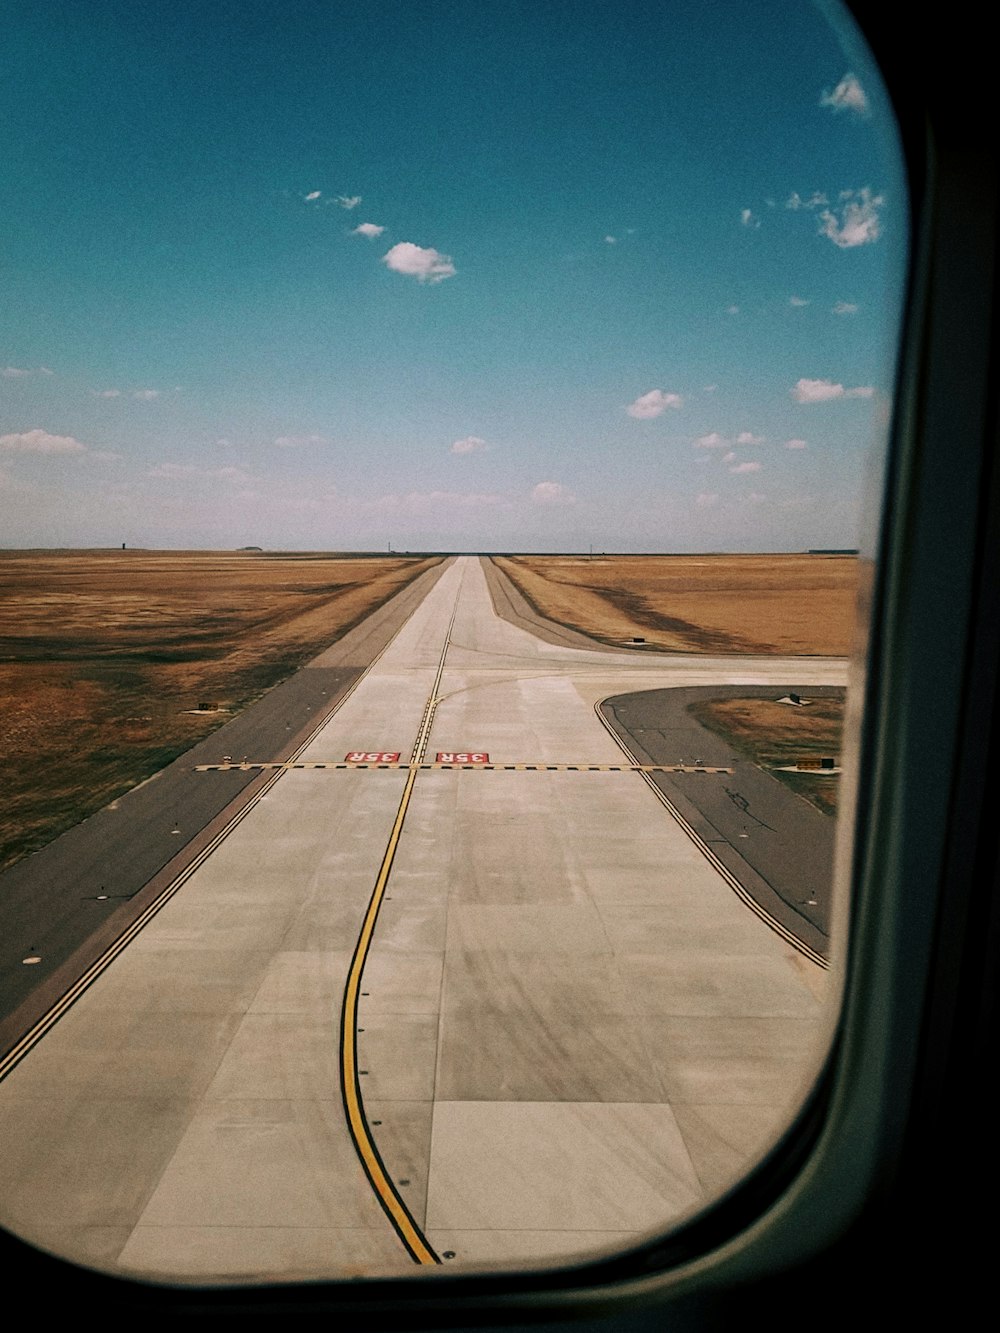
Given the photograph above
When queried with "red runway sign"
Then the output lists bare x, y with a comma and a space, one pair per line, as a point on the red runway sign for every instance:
372, 757
462, 757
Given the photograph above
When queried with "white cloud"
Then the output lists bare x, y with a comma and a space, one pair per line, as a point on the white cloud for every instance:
146, 395
15, 373
652, 404
551, 493
748, 219
732, 310
297, 441
797, 301
707, 499
847, 96
713, 441
710, 388
106, 393
611, 240
348, 201
748, 437
815, 200
822, 391
41, 442
845, 308
730, 457
426, 265
754, 498
745, 467
370, 229
313, 194
469, 445
816, 391
855, 222
796, 444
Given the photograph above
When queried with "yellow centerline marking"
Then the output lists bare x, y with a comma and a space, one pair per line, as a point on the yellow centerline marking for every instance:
388, 1195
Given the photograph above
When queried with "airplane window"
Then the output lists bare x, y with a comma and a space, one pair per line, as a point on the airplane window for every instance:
441, 462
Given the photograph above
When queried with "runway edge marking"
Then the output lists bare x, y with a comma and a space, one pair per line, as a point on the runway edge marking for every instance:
392, 1202
33, 1036
744, 896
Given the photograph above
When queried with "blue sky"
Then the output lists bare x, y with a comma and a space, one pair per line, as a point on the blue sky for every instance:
443, 276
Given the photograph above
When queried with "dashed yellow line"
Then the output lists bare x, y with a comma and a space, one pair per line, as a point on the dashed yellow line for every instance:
414, 767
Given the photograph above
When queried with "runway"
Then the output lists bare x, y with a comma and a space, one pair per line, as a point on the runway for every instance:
472, 997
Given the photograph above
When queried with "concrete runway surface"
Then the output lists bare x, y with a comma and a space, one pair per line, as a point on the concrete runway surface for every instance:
563, 1028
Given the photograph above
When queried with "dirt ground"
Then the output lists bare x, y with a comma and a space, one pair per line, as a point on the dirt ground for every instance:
801, 605
112, 663
776, 735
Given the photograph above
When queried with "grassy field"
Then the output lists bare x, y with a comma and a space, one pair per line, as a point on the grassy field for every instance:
112, 663
774, 735
801, 605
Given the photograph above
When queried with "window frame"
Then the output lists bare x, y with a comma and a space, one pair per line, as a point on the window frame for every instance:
906, 1074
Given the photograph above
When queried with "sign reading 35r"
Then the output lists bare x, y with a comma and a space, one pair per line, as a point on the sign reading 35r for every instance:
372, 757
462, 757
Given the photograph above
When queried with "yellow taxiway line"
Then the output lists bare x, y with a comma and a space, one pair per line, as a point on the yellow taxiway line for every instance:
385, 1189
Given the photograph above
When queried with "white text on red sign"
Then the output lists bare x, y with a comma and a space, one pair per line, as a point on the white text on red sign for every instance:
372, 757
462, 757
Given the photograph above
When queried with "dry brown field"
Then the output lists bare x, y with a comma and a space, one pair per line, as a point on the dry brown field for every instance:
774, 735
112, 663
799, 605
